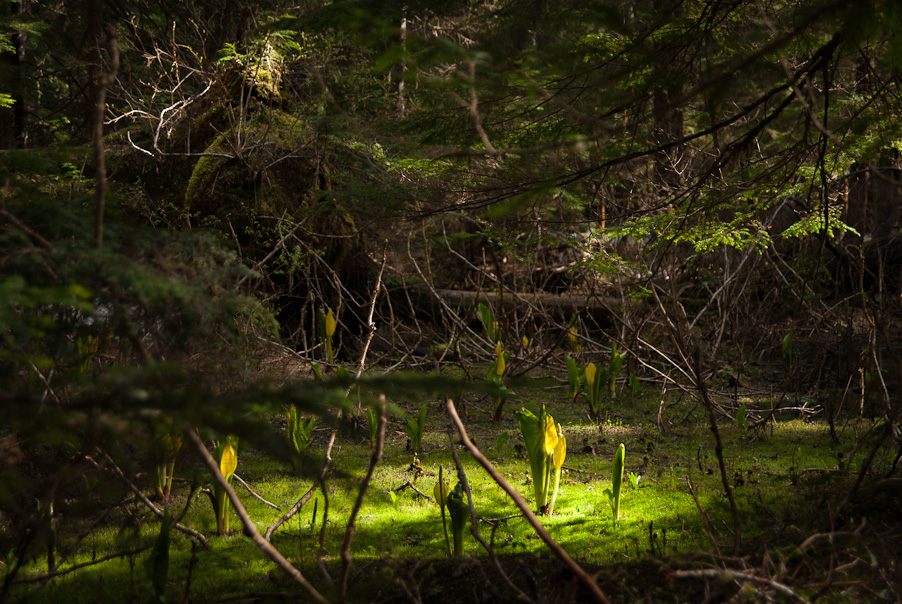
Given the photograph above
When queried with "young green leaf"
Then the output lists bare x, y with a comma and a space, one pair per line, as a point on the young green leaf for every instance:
460, 513
488, 321
617, 481
441, 492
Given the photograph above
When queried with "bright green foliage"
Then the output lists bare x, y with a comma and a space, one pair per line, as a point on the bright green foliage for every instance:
575, 377
617, 482
300, 435
492, 329
614, 368
460, 513
546, 449
634, 480
226, 455
6, 101
741, 420
414, 429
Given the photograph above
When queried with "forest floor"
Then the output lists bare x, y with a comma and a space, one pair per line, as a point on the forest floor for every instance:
812, 527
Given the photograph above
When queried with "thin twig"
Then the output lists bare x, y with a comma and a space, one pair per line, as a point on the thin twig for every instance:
37, 237
146, 501
716, 573
306, 497
543, 533
74, 567
253, 493
410, 485
250, 528
474, 530
709, 527
375, 458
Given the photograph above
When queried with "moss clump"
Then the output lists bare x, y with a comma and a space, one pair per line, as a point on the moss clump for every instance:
271, 168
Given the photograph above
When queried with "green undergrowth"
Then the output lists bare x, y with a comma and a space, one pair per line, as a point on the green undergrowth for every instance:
786, 476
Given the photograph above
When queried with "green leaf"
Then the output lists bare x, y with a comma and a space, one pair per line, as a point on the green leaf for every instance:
534, 431
460, 513
488, 321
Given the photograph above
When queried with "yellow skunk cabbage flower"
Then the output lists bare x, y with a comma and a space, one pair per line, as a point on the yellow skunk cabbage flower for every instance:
550, 436
558, 457
331, 324
590, 374
525, 341
560, 449
500, 366
229, 462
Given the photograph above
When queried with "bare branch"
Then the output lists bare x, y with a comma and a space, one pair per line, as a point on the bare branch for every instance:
250, 529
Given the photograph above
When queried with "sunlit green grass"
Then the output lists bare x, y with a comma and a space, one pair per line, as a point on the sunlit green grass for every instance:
781, 475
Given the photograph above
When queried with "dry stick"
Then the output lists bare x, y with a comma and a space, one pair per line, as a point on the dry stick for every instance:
250, 528
322, 531
40, 240
543, 533
254, 494
104, 81
75, 567
306, 497
698, 381
718, 450
715, 573
474, 530
375, 458
371, 327
410, 485
146, 501
709, 527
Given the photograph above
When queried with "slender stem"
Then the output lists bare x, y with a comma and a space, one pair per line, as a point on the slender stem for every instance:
441, 505
146, 501
375, 458
306, 497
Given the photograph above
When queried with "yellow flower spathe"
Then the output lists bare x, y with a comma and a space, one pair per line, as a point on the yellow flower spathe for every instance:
560, 450
331, 324
499, 368
550, 436
590, 373
229, 462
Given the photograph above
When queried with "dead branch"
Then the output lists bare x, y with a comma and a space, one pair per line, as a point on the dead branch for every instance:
375, 458
543, 533
145, 500
250, 529
733, 575
306, 497
474, 530
254, 494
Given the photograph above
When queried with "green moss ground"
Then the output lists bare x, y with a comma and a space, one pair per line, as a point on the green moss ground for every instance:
785, 478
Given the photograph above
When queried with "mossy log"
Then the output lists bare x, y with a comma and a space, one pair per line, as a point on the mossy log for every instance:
596, 309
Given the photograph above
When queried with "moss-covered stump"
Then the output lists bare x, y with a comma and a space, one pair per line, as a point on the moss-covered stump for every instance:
259, 182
